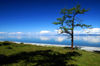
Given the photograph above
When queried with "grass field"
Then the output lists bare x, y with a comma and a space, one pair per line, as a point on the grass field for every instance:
12, 54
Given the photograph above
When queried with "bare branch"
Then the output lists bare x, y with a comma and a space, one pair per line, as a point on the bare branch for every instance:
79, 20
61, 32
85, 30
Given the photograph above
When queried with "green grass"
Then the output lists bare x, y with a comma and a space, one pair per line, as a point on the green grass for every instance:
12, 54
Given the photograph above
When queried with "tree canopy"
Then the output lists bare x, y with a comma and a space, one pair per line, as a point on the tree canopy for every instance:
68, 21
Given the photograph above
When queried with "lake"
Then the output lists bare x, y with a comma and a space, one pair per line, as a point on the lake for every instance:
92, 41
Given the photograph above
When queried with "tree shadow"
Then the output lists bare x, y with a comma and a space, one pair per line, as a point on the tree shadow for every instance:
74, 48
96, 51
67, 47
41, 57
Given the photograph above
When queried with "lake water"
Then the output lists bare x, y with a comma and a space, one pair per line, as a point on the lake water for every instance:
93, 41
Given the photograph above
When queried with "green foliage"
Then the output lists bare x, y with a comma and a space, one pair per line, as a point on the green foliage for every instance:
60, 19
1, 44
67, 20
56, 23
6, 43
21, 43
9, 47
84, 25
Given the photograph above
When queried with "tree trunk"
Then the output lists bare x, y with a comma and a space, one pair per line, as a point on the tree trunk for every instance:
72, 41
72, 32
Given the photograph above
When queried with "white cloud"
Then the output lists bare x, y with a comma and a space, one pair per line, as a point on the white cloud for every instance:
19, 33
79, 32
12, 33
60, 39
44, 38
56, 38
16, 33
18, 37
3, 32
37, 33
59, 31
29, 33
44, 32
2, 37
56, 30
94, 31
91, 31
12, 36
91, 39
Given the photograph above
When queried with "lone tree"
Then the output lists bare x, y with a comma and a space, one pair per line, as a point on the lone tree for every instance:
68, 21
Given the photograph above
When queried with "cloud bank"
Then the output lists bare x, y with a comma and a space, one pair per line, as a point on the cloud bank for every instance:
91, 31
16, 33
91, 39
3, 32
44, 32
55, 32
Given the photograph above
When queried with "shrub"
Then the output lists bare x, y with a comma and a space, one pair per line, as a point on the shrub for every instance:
9, 47
6, 43
21, 43
0, 44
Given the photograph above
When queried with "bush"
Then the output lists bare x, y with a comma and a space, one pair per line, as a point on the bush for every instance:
76, 48
0, 44
21, 43
6, 43
9, 47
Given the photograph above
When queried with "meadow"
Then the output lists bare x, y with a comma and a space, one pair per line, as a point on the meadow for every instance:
13, 54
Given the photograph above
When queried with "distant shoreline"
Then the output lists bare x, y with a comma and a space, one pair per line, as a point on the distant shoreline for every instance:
86, 48
41, 44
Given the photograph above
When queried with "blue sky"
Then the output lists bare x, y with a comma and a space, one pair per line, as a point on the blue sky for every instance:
36, 16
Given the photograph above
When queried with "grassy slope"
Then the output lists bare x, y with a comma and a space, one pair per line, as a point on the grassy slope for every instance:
12, 54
